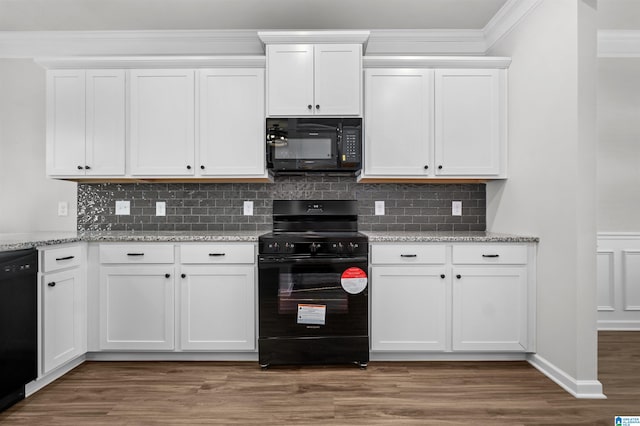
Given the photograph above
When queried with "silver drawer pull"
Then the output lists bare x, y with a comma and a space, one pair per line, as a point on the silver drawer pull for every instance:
490, 255
217, 254
135, 254
58, 259
408, 255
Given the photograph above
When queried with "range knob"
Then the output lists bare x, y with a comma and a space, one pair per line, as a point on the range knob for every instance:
352, 247
274, 246
314, 247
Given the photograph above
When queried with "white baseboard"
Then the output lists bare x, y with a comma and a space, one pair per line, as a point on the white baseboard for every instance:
604, 325
36, 385
172, 356
584, 389
446, 356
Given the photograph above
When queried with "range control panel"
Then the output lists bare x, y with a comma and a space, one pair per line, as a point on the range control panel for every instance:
346, 247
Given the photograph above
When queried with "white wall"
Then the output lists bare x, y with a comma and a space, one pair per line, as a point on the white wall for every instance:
618, 145
28, 200
549, 192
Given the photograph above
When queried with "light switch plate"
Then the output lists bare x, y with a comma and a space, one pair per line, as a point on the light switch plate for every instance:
247, 208
456, 208
161, 208
123, 208
379, 210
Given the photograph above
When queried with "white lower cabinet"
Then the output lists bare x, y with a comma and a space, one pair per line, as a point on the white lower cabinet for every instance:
177, 297
409, 308
217, 308
137, 308
62, 317
63, 305
455, 297
490, 309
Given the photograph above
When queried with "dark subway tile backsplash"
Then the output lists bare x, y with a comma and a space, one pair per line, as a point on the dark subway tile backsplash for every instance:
219, 206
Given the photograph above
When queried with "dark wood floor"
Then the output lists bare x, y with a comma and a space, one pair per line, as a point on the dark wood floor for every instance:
442, 393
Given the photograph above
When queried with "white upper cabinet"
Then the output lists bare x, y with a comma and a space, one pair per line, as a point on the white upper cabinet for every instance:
308, 79
442, 123
231, 137
162, 123
469, 122
338, 81
85, 123
105, 114
398, 122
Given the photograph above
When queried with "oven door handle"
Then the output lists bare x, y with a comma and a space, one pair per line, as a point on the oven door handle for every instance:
277, 260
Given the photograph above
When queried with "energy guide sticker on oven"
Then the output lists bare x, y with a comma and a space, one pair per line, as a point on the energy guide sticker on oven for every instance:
354, 280
311, 314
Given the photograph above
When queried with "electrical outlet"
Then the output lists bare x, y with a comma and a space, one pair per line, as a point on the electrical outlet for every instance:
379, 209
247, 208
123, 208
161, 208
456, 208
63, 208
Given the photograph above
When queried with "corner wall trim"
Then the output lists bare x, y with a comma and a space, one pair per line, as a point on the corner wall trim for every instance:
583, 389
507, 18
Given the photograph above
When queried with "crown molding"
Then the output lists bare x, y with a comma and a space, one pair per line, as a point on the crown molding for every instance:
510, 15
173, 61
416, 42
619, 43
328, 36
394, 61
31, 44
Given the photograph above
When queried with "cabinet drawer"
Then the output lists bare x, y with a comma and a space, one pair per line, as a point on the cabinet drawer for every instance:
408, 254
60, 258
136, 253
480, 254
218, 253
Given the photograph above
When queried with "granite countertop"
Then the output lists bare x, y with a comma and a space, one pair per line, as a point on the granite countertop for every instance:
39, 239
19, 241
448, 236
172, 236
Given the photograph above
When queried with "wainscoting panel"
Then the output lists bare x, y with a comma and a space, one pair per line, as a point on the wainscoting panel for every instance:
605, 280
618, 267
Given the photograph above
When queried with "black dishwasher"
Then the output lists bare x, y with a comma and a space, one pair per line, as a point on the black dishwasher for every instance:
18, 323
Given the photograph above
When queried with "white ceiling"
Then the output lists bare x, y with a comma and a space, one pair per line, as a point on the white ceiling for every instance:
34, 15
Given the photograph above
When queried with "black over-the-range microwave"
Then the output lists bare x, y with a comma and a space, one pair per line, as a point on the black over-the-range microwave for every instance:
313, 144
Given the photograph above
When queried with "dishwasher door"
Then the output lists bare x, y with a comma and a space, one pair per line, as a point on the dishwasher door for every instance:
18, 323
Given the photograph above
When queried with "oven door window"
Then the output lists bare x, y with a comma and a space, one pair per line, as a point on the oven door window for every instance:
311, 290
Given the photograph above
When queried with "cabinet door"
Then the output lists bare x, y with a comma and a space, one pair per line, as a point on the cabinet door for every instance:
232, 122
65, 122
338, 79
218, 308
162, 122
490, 309
62, 318
408, 308
105, 114
290, 79
469, 122
398, 124
137, 308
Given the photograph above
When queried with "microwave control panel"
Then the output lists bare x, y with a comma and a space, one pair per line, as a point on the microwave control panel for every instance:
350, 145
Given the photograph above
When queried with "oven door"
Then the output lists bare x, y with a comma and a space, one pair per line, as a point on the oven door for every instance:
312, 296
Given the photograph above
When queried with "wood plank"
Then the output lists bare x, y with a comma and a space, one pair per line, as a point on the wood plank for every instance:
425, 393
